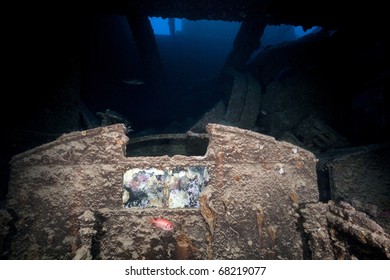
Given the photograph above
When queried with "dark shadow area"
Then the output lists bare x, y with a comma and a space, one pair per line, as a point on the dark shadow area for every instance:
167, 144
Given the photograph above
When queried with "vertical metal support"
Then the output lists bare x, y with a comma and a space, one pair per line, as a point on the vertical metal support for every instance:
246, 42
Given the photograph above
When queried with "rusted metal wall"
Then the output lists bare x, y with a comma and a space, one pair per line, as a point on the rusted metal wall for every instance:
65, 198
361, 177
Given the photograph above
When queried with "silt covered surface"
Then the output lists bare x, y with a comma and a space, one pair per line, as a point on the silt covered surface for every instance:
65, 199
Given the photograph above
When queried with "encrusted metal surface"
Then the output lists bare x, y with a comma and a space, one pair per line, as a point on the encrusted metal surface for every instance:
67, 199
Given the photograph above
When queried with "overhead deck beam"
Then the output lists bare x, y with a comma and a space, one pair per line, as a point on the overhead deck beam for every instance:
321, 13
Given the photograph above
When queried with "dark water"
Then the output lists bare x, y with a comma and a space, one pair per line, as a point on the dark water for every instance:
90, 56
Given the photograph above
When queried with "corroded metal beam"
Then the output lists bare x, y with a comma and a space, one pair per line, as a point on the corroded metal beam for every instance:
330, 13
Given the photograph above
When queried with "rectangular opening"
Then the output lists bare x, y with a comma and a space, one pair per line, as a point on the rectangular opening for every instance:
170, 188
167, 144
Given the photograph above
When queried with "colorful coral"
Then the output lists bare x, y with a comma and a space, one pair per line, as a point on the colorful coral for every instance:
172, 188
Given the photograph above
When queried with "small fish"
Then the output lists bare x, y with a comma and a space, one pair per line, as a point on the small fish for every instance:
161, 223
134, 82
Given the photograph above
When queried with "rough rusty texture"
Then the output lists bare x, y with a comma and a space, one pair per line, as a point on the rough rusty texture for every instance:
361, 177
52, 185
316, 229
65, 197
127, 234
355, 235
244, 102
258, 184
339, 231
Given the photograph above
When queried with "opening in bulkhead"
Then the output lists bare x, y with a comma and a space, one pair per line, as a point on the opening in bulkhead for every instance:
177, 187
168, 144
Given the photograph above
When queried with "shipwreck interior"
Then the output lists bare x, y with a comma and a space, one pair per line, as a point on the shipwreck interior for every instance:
249, 111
